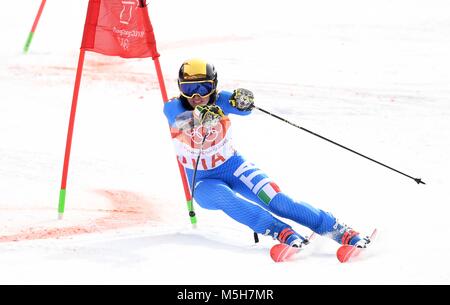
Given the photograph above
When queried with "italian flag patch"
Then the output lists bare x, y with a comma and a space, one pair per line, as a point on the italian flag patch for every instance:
267, 192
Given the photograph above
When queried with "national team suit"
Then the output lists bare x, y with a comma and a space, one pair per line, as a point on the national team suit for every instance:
222, 174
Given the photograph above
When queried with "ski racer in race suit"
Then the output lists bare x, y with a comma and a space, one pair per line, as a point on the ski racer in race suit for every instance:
200, 124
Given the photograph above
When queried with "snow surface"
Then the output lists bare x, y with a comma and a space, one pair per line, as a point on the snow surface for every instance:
372, 75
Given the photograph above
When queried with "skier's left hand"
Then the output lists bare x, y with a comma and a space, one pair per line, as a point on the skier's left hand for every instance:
242, 99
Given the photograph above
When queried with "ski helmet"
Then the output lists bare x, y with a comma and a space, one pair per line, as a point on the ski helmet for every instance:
197, 71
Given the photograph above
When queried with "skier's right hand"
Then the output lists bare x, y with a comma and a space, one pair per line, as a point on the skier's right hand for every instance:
208, 115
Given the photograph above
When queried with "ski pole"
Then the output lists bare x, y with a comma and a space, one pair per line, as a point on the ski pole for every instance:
418, 180
194, 176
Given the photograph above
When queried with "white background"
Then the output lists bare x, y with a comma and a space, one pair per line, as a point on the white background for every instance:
372, 75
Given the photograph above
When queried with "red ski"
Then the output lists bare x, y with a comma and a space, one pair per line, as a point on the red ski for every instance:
282, 252
347, 252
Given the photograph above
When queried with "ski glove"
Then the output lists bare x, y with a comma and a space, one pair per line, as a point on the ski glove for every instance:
242, 99
208, 115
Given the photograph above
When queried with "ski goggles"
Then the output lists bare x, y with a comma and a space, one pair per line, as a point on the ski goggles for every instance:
201, 88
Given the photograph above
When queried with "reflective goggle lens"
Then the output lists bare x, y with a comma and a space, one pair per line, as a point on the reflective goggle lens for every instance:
203, 89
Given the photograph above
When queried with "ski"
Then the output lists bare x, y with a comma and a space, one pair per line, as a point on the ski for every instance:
347, 252
283, 252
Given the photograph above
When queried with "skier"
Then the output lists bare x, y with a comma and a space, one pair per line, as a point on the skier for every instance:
201, 130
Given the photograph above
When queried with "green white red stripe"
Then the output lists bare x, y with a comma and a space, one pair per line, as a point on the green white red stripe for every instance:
267, 192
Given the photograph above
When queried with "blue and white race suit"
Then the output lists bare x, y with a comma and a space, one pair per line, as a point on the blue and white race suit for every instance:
222, 174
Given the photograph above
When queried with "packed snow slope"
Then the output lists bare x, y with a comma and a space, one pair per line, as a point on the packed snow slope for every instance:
372, 75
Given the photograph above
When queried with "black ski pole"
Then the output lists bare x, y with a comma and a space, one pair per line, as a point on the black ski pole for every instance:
191, 206
418, 180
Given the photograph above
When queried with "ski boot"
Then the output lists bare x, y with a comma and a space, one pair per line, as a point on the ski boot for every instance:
286, 235
345, 235
290, 237
290, 242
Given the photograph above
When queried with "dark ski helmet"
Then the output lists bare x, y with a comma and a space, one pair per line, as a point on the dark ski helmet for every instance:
195, 72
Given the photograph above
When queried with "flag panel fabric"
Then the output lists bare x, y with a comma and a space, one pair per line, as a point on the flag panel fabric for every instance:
119, 28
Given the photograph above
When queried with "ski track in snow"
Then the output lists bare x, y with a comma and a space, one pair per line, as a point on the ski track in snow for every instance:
127, 209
